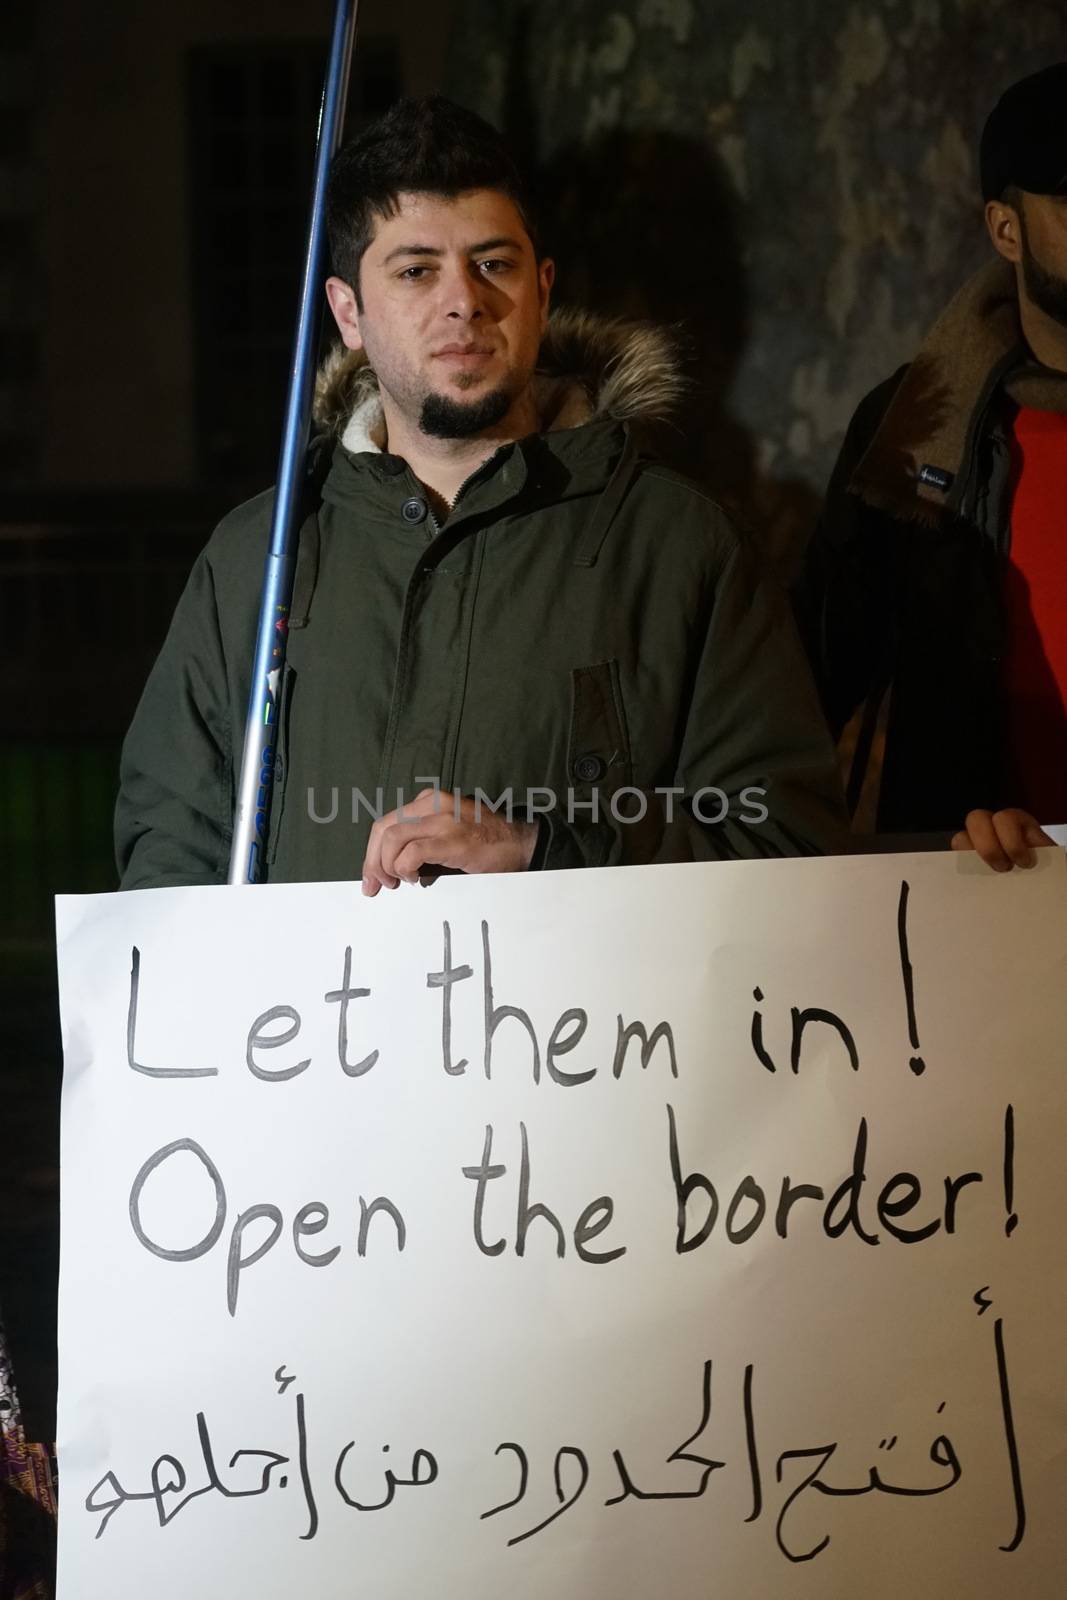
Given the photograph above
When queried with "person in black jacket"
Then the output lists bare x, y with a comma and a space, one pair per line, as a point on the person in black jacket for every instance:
935, 590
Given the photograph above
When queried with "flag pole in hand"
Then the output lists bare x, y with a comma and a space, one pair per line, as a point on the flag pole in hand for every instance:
252, 815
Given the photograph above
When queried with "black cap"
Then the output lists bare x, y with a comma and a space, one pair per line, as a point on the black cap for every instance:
1024, 141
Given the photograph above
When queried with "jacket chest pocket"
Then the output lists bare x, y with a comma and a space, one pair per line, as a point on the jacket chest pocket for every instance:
598, 750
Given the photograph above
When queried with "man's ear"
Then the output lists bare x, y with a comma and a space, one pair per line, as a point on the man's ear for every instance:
1005, 230
345, 312
546, 277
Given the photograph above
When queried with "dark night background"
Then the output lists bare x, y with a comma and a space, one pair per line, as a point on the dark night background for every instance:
790, 181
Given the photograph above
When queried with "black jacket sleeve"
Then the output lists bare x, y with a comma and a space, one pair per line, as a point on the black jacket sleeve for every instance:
845, 600
173, 817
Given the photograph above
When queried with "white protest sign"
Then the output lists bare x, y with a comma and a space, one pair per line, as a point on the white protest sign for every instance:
684, 1230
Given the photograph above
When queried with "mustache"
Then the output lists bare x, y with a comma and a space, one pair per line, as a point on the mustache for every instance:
459, 348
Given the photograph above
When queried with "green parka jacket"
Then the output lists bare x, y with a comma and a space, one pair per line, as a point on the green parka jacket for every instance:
584, 621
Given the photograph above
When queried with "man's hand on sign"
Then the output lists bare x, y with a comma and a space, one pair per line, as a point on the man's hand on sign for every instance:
443, 830
1003, 839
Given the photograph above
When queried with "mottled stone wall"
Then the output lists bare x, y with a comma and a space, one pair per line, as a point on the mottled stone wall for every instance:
793, 180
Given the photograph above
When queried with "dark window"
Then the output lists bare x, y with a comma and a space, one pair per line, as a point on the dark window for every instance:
254, 115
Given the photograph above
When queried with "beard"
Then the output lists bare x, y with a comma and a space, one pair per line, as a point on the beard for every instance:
1046, 290
443, 417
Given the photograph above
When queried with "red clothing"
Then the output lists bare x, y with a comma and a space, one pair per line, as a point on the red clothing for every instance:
1036, 613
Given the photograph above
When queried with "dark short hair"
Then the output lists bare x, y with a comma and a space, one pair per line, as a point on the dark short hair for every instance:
425, 146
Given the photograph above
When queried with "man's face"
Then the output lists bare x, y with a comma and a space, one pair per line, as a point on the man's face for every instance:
1043, 253
454, 306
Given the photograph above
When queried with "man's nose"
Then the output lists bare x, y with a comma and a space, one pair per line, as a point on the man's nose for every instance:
464, 295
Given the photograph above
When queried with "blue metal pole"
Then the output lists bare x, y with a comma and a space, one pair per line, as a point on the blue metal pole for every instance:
252, 815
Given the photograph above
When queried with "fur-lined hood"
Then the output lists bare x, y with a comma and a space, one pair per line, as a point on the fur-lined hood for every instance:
589, 367
918, 463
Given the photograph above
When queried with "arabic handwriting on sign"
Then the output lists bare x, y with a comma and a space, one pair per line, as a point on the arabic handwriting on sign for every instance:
420, 1460
565, 1452
305, 1471
681, 1453
752, 1447
942, 1454
1010, 1442
168, 1478
169, 1493
629, 1489
174, 1479
524, 1479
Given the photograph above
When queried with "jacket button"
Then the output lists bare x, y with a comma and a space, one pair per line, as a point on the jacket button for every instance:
587, 769
413, 510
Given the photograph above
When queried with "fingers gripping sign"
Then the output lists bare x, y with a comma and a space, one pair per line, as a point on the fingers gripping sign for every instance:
443, 830
1004, 839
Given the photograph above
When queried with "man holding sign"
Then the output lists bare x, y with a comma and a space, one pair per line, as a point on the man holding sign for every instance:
936, 583
515, 641
678, 1232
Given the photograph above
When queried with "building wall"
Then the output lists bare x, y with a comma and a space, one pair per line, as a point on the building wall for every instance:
21, 306
794, 179
118, 338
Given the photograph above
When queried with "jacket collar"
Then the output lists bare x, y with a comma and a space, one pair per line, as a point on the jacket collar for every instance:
590, 369
919, 463
916, 464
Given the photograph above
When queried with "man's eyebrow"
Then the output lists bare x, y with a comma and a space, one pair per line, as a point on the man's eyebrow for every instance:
499, 243
412, 250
